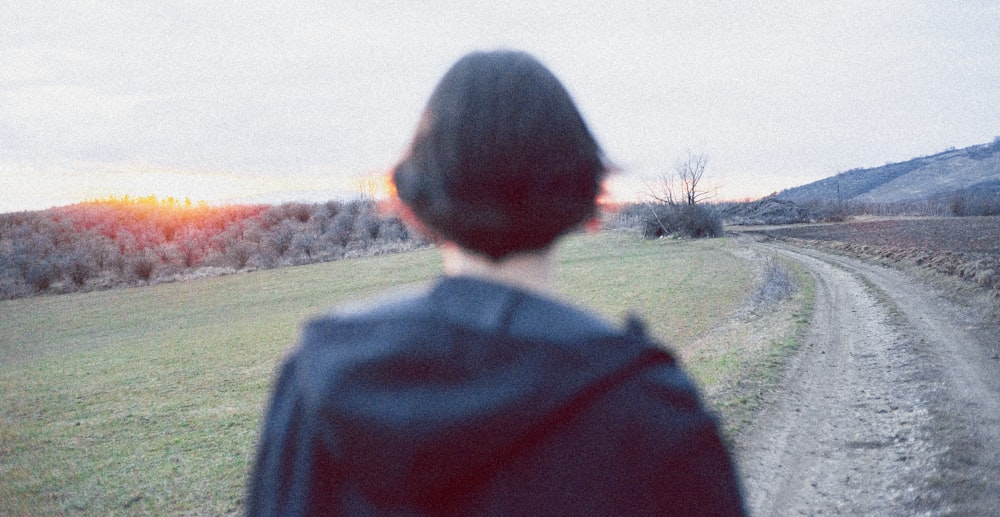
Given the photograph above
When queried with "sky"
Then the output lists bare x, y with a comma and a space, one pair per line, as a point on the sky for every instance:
278, 101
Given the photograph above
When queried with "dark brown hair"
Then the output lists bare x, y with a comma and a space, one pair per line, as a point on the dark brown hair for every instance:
502, 161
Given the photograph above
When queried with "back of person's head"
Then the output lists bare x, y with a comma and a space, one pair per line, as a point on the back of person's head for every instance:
502, 161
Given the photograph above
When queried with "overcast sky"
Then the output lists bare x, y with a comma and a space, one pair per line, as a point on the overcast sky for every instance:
234, 100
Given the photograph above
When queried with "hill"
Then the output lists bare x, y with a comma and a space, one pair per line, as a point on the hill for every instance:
969, 170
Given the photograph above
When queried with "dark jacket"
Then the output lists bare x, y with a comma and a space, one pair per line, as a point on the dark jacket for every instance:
474, 398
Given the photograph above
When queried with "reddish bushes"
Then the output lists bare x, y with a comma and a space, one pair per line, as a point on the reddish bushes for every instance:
103, 244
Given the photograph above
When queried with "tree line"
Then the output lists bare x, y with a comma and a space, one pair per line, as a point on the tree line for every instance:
133, 241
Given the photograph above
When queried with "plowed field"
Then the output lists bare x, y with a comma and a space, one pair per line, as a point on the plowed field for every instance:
955, 234
967, 247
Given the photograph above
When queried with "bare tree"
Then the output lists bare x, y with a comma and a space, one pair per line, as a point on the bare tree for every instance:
674, 203
684, 184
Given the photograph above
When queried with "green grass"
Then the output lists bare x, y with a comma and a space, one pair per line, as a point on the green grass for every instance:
739, 362
681, 288
147, 400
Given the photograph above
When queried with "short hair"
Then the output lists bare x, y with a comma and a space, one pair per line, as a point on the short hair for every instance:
502, 161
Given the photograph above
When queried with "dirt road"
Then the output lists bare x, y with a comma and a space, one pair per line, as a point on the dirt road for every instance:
891, 407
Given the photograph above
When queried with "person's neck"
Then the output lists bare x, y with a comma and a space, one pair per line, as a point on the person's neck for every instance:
533, 271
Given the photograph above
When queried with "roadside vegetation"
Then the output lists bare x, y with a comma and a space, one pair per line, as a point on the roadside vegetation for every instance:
741, 359
147, 400
137, 241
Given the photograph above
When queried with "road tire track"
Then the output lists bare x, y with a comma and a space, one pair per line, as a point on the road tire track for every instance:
891, 406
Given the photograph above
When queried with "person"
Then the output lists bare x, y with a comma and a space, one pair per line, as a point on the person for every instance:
481, 393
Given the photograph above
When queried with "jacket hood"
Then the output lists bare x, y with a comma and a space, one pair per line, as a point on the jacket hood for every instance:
432, 390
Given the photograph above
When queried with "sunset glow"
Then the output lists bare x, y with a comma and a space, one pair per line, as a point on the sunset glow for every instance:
376, 185
60, 186
63, 186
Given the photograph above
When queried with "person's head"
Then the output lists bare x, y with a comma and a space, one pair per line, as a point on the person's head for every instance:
502, 161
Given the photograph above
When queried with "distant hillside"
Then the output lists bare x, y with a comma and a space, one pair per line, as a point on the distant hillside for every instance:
972, 169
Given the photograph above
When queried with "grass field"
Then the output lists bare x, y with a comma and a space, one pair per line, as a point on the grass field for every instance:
147, 400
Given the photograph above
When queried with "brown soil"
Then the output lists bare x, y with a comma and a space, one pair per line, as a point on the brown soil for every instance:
965, 247
891, 406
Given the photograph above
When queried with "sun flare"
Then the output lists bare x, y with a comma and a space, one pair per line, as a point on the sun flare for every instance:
68, 184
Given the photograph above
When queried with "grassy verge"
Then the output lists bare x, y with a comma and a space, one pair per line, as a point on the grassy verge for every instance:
740, 360
147, 401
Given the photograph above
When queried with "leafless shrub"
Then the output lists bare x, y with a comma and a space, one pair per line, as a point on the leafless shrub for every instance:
238, 255
966, 204
777, 282
143, 266
42, 274
79, 268
681, 220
